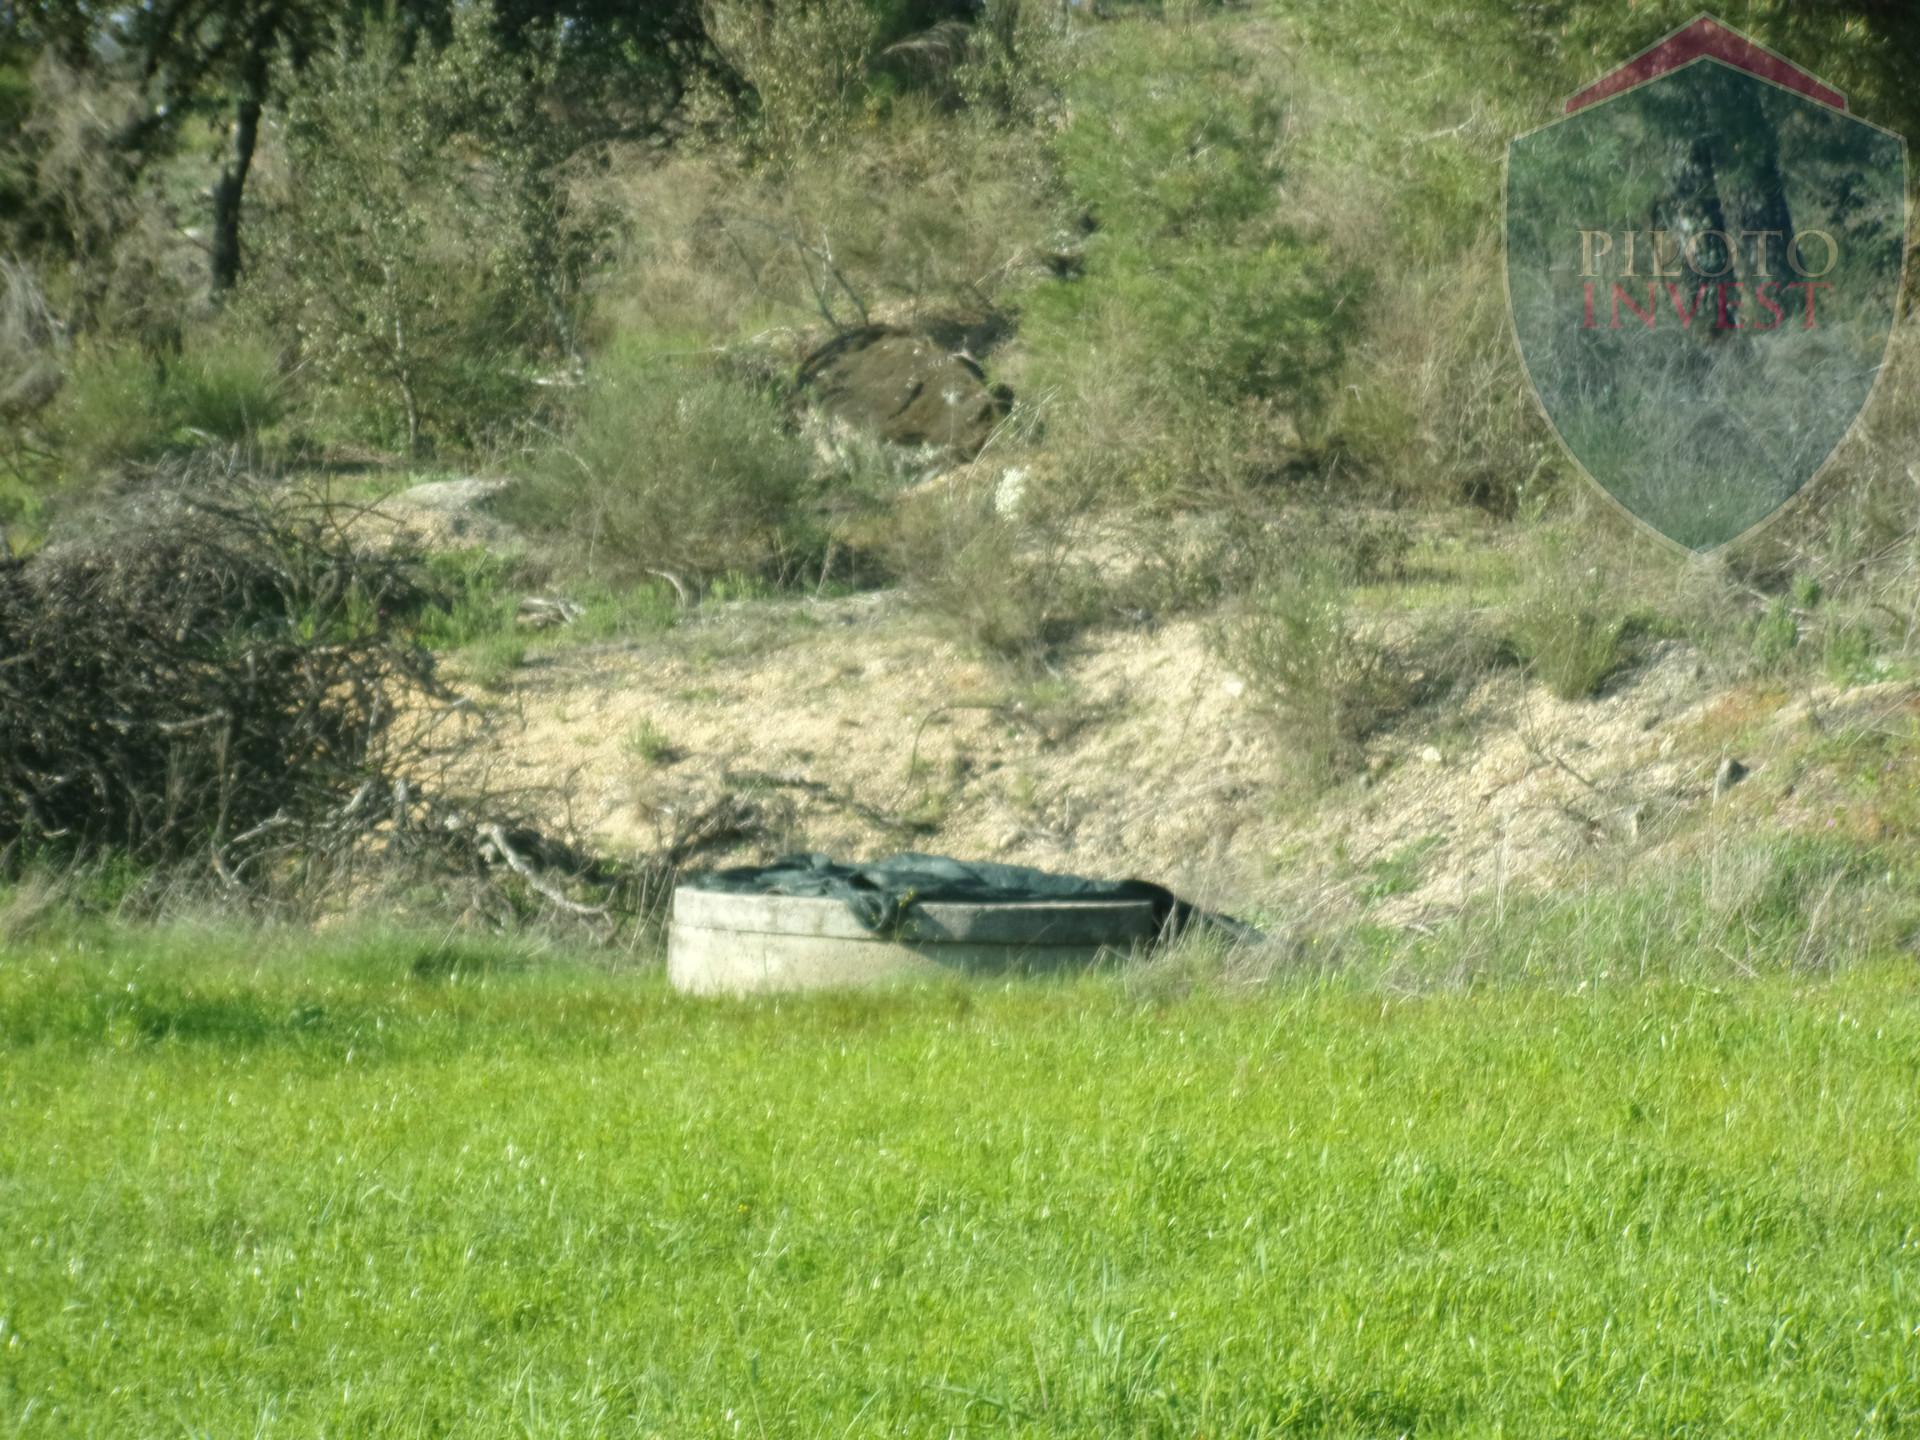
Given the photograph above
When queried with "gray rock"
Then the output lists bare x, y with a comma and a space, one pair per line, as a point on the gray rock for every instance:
906, 389
1730, 774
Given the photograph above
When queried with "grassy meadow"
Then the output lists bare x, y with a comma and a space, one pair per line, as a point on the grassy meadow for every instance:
398, 1187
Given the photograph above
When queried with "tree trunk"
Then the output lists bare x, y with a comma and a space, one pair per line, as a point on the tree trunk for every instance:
231, 188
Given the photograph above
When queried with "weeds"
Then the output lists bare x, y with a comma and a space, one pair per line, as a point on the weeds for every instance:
648, 744
120, 405
1324, 684
1007, 588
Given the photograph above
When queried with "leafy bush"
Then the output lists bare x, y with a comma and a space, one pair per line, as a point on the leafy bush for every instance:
804, 61
1019, 58
1205, 326
676, 469
1176, 136
421, 249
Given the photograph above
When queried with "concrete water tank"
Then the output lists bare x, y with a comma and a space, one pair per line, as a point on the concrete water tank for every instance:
728, 943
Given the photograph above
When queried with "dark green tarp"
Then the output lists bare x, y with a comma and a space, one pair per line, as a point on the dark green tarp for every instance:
882, 894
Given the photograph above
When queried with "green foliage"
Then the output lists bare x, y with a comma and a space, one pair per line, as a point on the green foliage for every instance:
227, 388
474, 598
1574, 646
1174, 137
676, 468
1325, 685
1808, 630
492, 658
1573, 626
649, 744
1206, 328
121, 405
617, 612
1019, 61
421, 247
1004, 587
112, 408
1572, 643
1206, 325
804, 63
1776, 636
1437, 405
1852, 653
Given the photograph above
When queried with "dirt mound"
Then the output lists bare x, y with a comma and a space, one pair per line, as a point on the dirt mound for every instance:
905, 388
844, 726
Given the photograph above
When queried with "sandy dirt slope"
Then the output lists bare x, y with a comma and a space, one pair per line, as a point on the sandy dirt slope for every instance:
840, 725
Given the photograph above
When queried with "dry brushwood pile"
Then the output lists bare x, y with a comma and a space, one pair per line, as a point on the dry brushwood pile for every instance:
225, 685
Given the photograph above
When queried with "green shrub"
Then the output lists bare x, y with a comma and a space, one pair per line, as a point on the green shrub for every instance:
1852, 653
473, 602
1205, 328
120, 405
1009, 588
1324, 684
112, 408
680, 469
228, 389
1175, 136
1437, 405
420, 245
804, 62
1570, 626
1571, 645
1019, 60
1808, 629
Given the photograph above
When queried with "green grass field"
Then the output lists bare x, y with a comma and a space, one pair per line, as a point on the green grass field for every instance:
375, 1187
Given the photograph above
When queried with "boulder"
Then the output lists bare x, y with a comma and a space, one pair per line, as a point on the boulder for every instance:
451, 514
906, 389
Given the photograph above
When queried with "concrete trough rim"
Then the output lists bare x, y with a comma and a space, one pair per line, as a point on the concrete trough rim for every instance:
1022, 922
723, 941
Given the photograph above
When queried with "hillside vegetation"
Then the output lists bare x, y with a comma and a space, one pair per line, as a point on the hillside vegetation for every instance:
1213, 296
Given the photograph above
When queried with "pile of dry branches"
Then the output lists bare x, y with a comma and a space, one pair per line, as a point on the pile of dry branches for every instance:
224, 686
215, 680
